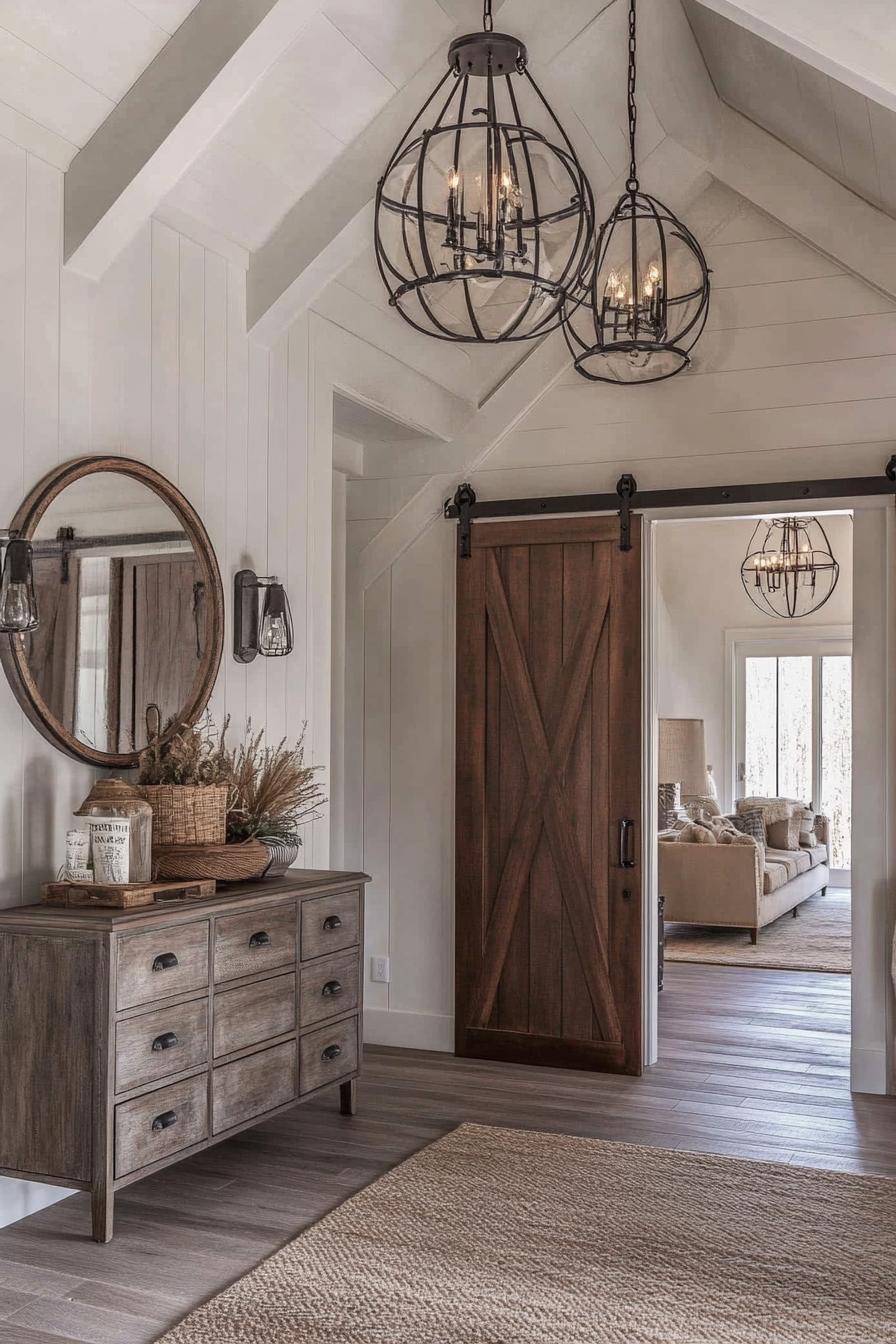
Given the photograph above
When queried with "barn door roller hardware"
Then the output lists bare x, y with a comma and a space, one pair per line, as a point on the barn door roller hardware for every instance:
467, 509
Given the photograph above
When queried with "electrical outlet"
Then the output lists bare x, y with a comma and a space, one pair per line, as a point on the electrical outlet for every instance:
379, 970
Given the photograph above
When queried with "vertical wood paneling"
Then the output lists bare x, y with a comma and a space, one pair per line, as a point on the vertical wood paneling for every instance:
377, 653
214, 456
255, 487
165, 348
135, 372
43, 230
276, 669
191, 374
231, 558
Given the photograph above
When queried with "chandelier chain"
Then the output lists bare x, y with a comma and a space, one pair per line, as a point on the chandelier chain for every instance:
632, 183
487, 20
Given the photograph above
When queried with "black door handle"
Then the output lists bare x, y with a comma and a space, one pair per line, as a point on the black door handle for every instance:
260, 939
332, 1052
165, 1041
164, 1121
626, 843
332, 922
166, 961
332, 989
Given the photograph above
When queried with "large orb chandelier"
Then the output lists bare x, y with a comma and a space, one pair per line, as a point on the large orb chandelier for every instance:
790, 569
484, 216
647, 298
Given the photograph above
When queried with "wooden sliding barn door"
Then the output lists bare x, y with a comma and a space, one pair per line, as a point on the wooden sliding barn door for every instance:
548, 861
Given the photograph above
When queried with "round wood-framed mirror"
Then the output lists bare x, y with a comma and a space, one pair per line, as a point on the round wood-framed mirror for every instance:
131, 609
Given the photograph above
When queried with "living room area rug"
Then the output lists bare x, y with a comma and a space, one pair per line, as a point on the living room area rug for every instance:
817, 940
499, 1236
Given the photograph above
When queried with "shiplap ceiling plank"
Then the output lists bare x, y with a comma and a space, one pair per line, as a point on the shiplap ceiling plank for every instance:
35, 85
104, 43
164, 121
168, 14
398, 38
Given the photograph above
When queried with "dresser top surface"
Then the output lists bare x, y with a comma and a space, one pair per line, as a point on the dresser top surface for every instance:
301, 882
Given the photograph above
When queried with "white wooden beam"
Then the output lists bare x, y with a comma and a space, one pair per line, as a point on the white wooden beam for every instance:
804, 198
854, 43
167, 118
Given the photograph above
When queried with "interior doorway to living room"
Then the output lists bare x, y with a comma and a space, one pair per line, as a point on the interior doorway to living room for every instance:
753, 698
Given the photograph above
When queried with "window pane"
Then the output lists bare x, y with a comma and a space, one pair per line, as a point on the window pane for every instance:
795, 728
760, 746
836, 753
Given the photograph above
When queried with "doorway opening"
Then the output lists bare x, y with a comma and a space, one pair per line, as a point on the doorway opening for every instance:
753, 723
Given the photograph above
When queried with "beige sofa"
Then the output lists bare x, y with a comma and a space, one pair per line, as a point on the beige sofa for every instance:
740, 886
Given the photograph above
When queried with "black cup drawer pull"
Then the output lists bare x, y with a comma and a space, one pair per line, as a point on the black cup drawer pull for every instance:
260, 939
332, 989
166, 961
332, 1052
165, 1041
164, 1121
332, 922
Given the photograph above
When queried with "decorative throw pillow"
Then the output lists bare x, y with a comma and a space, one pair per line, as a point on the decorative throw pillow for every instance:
751, 822
784, 834
772, 809
808, 837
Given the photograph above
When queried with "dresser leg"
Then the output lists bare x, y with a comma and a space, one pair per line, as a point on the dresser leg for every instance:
348, 1097
103, 1204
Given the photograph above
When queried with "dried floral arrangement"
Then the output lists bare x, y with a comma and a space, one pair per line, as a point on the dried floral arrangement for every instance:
273, 792
195, 755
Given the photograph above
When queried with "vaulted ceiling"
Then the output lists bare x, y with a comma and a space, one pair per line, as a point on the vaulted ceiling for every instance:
259, 127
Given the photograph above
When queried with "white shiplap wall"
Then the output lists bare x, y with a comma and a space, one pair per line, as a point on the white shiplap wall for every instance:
152, 363
796, 376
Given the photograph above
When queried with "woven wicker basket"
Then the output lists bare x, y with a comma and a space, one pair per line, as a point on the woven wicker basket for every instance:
187, 814
225, 863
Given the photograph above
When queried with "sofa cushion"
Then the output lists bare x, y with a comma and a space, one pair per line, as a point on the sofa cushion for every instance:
774, 875
783, 834
794, 861
817, 854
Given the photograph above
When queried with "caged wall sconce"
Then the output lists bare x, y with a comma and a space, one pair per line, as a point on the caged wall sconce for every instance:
18, 598
267, 631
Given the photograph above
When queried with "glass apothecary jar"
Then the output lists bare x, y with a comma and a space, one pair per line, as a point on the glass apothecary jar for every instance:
119, 852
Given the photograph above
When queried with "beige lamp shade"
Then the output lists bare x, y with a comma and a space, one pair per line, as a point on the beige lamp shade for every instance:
682, 758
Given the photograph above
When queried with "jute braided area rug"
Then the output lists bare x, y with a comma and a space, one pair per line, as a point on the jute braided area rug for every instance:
497, 1236
817, 940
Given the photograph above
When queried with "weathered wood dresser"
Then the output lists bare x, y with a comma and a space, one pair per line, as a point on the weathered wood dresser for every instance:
130, 1039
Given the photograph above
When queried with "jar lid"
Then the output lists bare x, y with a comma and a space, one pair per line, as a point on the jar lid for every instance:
113, 792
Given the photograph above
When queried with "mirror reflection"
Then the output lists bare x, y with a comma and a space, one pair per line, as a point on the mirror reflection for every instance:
123, 605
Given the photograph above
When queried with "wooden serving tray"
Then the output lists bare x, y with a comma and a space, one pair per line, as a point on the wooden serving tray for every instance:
127, 895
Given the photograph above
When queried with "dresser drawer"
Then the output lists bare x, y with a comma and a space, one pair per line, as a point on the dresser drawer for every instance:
330, 923
329, 988
254, 1013
160, 1043
253, 1085
163, 962
161, 1123
256, 941
328, 1054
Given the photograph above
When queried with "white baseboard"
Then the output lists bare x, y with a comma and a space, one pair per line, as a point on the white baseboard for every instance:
19, 1198
413, 1031
868, 1070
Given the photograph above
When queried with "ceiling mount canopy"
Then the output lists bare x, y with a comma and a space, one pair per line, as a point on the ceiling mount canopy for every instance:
647, 297
484, 216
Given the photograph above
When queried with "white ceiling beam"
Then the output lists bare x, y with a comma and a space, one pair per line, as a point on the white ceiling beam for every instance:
811, 204
316, 238
854, 43
167, 118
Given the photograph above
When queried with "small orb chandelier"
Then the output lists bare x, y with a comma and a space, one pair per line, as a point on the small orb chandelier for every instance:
647, 297
484, 216
790, 570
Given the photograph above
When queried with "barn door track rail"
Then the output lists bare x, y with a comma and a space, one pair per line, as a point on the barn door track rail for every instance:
466, 509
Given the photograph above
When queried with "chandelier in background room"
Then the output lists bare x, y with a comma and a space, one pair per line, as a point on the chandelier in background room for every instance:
647, 299
790, 569
484, 216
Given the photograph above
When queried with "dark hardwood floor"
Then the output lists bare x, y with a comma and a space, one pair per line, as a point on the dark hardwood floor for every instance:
753, 1063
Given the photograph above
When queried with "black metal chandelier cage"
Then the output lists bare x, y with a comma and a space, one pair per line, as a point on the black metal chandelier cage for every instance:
790, 569
484, 215
647, 298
